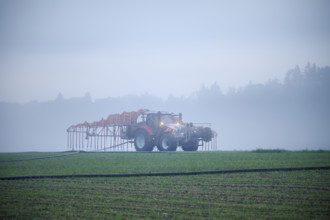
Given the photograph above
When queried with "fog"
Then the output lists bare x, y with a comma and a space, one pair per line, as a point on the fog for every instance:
292, 115
117, 48
222, 62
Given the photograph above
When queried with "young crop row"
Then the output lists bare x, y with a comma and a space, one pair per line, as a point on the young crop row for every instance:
283, 195
114, 163
288, 195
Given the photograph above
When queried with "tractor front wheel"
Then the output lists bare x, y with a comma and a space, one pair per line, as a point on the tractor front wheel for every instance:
167, 143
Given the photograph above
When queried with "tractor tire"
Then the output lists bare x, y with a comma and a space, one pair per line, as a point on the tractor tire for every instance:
142, 141
167, 143
190, 146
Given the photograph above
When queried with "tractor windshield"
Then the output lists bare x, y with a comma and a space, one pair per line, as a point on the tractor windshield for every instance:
167, 119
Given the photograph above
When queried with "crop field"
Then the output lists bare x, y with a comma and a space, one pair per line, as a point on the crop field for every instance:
252, 195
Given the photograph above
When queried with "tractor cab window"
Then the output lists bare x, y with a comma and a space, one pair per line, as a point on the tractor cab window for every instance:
152, 121
141, 118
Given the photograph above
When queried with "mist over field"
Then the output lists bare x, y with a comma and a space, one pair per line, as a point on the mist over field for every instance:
292, 115
229, 63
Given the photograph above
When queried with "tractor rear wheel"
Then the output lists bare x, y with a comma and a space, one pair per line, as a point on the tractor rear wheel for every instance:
142, 141
167, 143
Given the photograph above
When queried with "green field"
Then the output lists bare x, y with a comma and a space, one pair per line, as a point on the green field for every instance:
259, 195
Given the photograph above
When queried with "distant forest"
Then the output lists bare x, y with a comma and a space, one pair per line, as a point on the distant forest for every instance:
293, 114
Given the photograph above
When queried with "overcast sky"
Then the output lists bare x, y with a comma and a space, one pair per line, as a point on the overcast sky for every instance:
116, 48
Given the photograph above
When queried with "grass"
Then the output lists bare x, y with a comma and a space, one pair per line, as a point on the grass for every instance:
105, 163
13, 156
260, 150
272, 195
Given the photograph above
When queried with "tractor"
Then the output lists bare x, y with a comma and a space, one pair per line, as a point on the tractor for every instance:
167, 131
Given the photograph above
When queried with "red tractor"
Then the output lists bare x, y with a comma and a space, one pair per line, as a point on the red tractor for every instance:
166, 131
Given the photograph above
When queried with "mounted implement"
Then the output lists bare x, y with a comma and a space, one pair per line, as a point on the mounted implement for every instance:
146, 129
